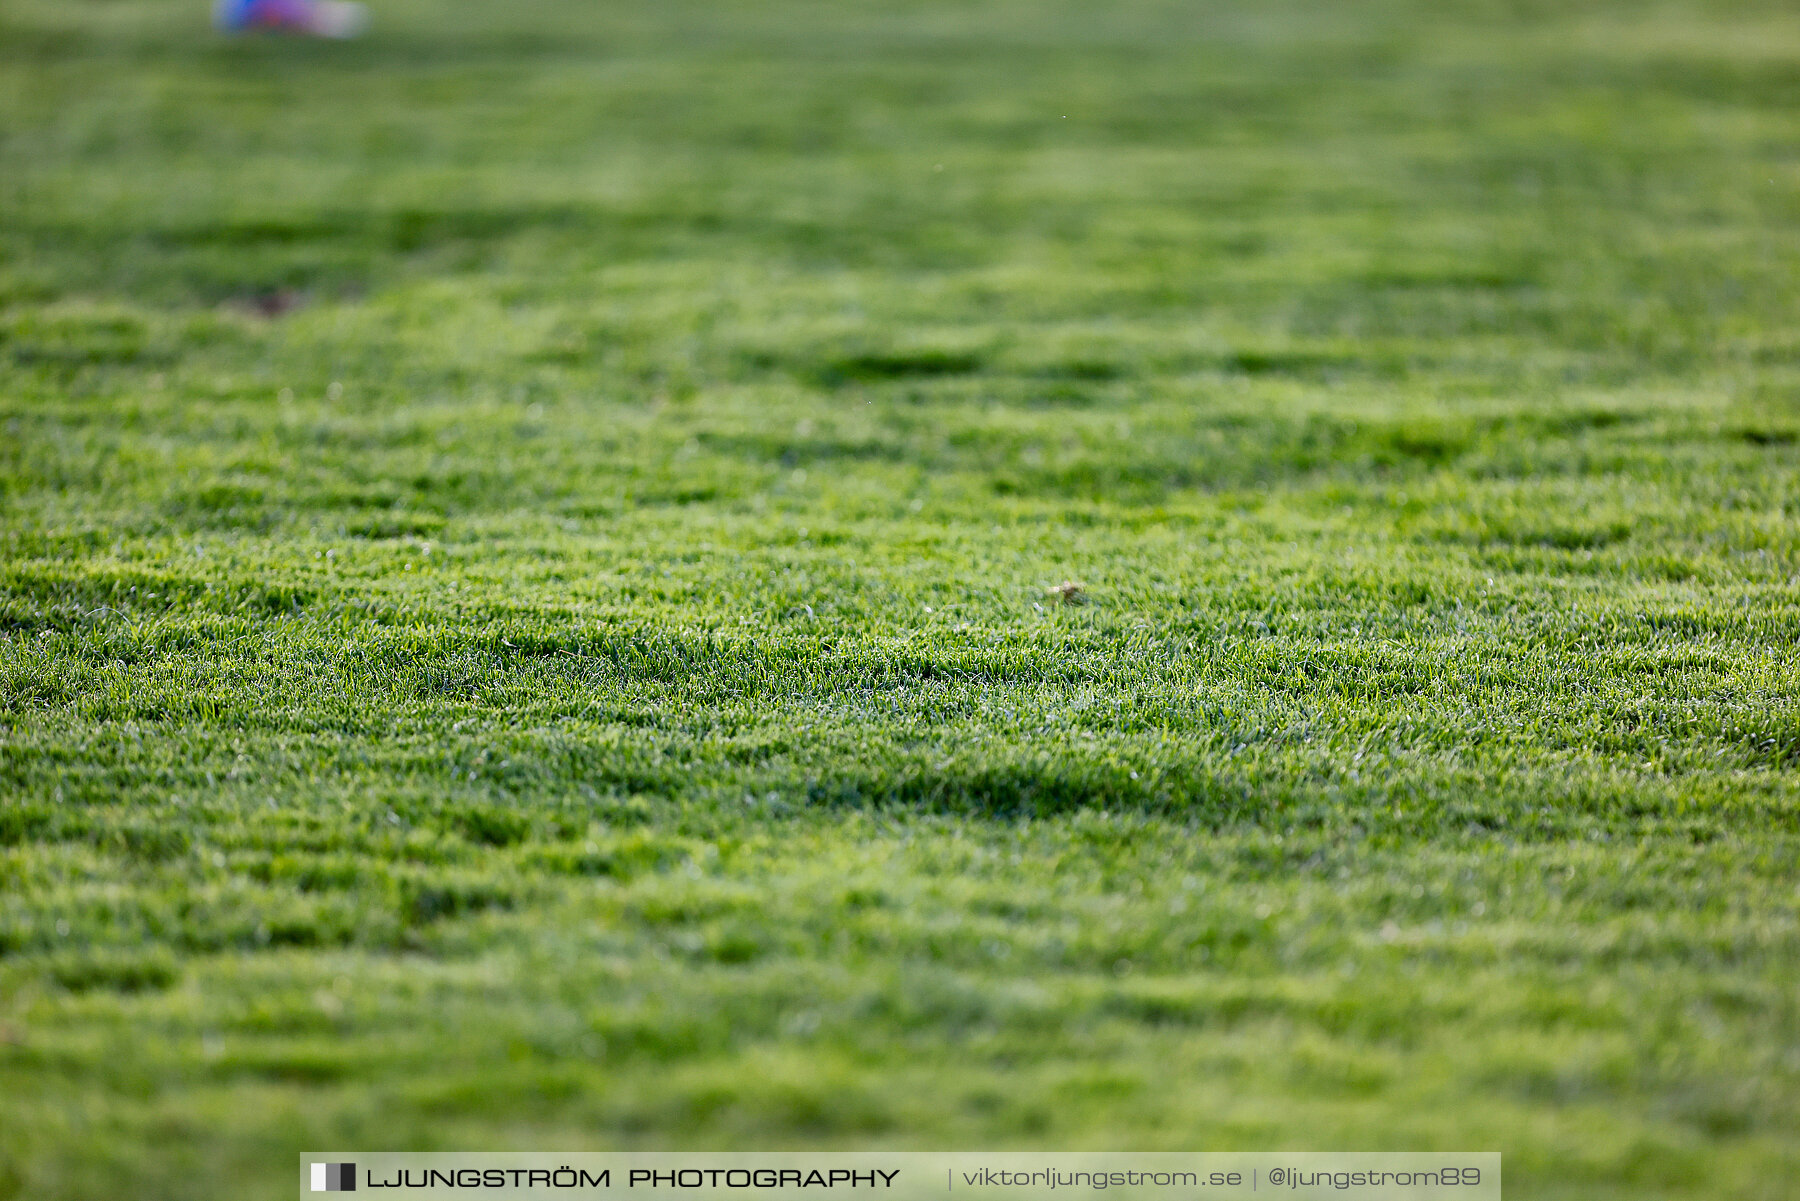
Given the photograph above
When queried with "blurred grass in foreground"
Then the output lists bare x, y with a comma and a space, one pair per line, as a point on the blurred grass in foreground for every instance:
525, 542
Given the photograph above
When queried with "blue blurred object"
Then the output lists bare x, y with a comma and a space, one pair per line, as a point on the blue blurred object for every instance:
319, 18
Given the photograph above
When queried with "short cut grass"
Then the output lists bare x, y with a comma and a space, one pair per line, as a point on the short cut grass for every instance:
919, 574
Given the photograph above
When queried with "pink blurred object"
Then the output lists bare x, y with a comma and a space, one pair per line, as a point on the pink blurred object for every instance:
319, 18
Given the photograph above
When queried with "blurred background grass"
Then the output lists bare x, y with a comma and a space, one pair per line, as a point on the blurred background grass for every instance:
525, 548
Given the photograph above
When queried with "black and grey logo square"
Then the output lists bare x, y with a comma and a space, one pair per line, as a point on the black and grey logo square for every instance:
334, 1178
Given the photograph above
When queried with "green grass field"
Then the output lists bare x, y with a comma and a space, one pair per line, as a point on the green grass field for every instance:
525, 549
